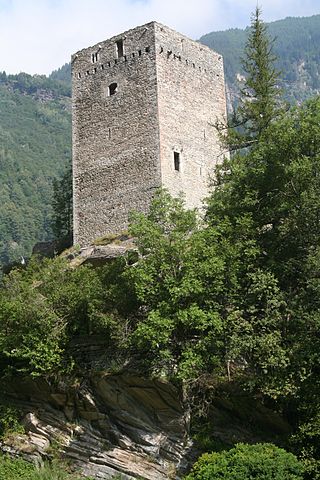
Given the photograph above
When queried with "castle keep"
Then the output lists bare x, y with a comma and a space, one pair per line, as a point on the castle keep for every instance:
144, 107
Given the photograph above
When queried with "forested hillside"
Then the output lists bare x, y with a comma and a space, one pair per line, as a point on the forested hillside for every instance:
35, 147
296, 45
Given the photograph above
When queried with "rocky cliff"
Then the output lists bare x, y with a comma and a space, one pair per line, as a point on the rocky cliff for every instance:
108, 424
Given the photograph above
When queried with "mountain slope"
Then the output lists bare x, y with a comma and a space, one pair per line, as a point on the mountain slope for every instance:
35, 147
296, 45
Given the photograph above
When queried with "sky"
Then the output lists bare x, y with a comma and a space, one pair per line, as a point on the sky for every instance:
38, 36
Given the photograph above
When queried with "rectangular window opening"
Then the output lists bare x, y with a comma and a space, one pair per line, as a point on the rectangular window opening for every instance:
94, 57
147, 49
120, 50
176, 160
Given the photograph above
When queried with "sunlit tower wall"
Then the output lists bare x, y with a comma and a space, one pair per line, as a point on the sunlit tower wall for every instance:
144, 107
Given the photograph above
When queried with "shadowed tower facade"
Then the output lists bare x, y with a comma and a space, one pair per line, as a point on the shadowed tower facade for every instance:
144, 107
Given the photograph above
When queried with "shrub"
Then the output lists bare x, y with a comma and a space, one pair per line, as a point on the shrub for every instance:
9, 421
262, 461
43, 307
17, 469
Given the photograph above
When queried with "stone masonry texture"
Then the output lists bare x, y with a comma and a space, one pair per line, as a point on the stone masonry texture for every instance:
144, 107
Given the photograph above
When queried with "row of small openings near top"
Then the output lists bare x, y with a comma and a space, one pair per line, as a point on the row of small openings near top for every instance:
170, 54
109, 64
119, 51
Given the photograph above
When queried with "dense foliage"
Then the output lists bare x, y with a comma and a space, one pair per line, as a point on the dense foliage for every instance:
45, 305
297, 50
248, 462
63, 74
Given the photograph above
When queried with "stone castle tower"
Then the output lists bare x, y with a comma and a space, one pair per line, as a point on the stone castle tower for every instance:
144, 107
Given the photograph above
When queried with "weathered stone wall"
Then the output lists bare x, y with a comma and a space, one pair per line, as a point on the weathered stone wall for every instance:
115, 138
191, 96
170, 90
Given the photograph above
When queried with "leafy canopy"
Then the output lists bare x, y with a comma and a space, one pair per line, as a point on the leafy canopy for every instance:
248, 462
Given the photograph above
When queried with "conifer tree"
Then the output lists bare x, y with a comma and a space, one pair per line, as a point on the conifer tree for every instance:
259, 97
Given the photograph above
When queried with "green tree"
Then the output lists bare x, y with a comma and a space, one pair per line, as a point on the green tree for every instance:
47, 304
41, 308
190, 280
248, 462
259, 97
271, 196
274, 191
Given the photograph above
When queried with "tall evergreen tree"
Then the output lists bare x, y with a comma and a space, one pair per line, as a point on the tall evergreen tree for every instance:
259, 99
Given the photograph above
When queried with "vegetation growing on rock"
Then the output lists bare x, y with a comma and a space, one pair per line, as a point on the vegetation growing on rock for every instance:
244, 462
17, 469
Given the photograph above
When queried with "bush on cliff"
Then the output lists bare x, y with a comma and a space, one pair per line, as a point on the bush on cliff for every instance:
47, 304
248, 462
18, 469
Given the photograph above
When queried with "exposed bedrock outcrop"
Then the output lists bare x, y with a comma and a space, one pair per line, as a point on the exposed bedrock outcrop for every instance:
108, 424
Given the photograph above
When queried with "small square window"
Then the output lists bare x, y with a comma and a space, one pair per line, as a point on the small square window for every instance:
112, 89
176, 161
